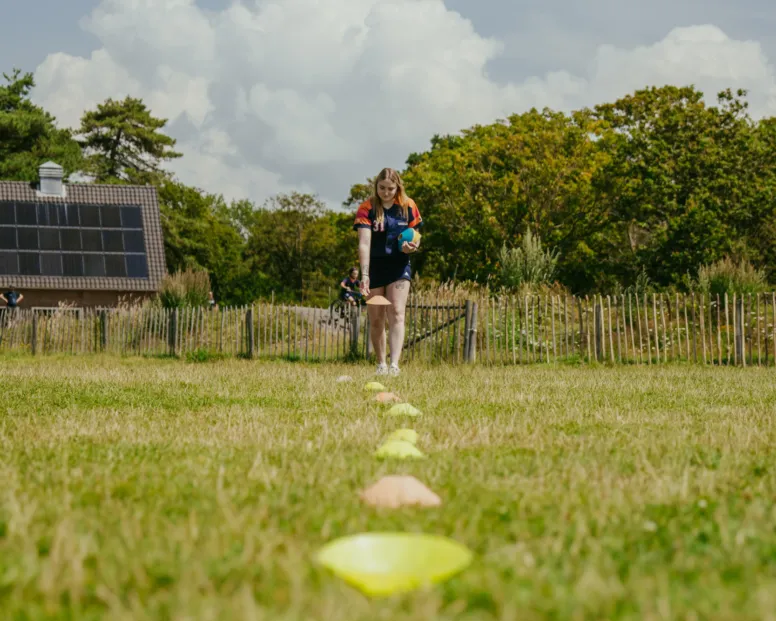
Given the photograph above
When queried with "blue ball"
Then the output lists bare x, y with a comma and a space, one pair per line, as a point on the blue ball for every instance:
408, 235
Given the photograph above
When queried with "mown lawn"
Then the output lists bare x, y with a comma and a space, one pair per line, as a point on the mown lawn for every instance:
160, 489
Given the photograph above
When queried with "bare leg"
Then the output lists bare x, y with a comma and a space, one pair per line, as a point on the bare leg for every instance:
397, 294
376, 316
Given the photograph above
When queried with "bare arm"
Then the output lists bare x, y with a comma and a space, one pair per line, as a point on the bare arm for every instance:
364, 244
2, 297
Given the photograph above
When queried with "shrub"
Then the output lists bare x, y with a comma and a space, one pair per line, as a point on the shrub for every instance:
189, 288
727, 276
529, 264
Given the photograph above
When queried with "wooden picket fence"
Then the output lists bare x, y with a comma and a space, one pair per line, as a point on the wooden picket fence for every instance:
625, 329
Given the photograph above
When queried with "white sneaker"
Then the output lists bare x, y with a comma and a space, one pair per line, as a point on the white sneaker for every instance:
394, 369
382, 369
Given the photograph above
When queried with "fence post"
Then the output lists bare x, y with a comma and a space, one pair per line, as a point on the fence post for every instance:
471, 334
249, 330
34, 332
172, 335
467, 324
599, 320
355, 325
103, 329
739, 330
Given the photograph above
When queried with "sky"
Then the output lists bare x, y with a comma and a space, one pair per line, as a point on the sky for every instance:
271, 96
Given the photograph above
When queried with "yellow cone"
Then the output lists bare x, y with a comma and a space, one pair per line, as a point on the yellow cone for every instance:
398, 449
404, 409
381, 564
405, 435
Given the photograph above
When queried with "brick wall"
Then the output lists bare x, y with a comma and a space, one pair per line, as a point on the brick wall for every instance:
52, 297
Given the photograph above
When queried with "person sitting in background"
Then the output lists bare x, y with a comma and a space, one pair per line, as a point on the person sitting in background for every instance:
11, 298
350, 287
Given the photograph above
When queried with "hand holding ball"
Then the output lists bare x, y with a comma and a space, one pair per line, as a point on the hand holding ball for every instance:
409, 240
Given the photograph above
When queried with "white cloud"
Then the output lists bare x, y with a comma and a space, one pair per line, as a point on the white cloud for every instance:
702, 55
311, 95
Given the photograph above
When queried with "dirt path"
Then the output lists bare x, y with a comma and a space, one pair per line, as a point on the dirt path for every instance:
323, 318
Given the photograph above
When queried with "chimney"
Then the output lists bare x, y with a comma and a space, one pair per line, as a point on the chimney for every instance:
51, 179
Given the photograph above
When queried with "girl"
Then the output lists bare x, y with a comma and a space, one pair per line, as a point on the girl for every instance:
385, 268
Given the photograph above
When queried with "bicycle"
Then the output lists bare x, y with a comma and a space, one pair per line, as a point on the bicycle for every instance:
340, 308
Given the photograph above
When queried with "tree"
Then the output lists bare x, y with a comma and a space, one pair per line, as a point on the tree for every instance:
28, 134
299, 245
123, 143
761, 226
484, 189
199, 234
359, 193
681, 181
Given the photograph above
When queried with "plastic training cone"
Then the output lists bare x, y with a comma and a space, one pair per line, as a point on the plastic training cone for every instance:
398, 449
381, 564
387, 397
405, 435
374, 386
378, 300
394, 491
404, 409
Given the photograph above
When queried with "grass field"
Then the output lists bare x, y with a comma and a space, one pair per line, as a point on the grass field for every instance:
137, 489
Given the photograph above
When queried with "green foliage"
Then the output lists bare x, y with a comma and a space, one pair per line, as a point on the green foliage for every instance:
299, 246
122, 142
644, 189
729, 276
28, 134
202, 355
199, 234
683, 181
186, 288
528, 264
477, 191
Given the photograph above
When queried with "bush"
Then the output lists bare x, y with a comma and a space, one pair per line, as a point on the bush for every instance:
528, 265
189, 288
727, 276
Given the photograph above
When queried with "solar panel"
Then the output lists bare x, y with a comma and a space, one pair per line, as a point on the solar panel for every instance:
73, 264
8, 238
56, 239
94, 265
29, 263
9, 263
7, 213
51, 264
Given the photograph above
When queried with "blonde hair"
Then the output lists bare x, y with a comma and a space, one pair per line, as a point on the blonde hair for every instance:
389, 174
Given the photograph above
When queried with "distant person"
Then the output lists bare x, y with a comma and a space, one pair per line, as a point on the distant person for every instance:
11, 298
211, 301
350, 287
385, 264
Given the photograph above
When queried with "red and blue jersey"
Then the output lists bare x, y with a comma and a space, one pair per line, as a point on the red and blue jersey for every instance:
386, 233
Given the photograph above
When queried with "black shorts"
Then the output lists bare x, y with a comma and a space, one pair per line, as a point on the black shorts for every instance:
384, 271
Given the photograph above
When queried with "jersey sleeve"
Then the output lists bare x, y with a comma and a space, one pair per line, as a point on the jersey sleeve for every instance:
363, 216
416, 221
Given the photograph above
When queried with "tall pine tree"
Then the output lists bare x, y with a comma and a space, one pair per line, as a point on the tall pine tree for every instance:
123, 143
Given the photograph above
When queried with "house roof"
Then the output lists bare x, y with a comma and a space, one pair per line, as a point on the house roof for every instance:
144, 197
